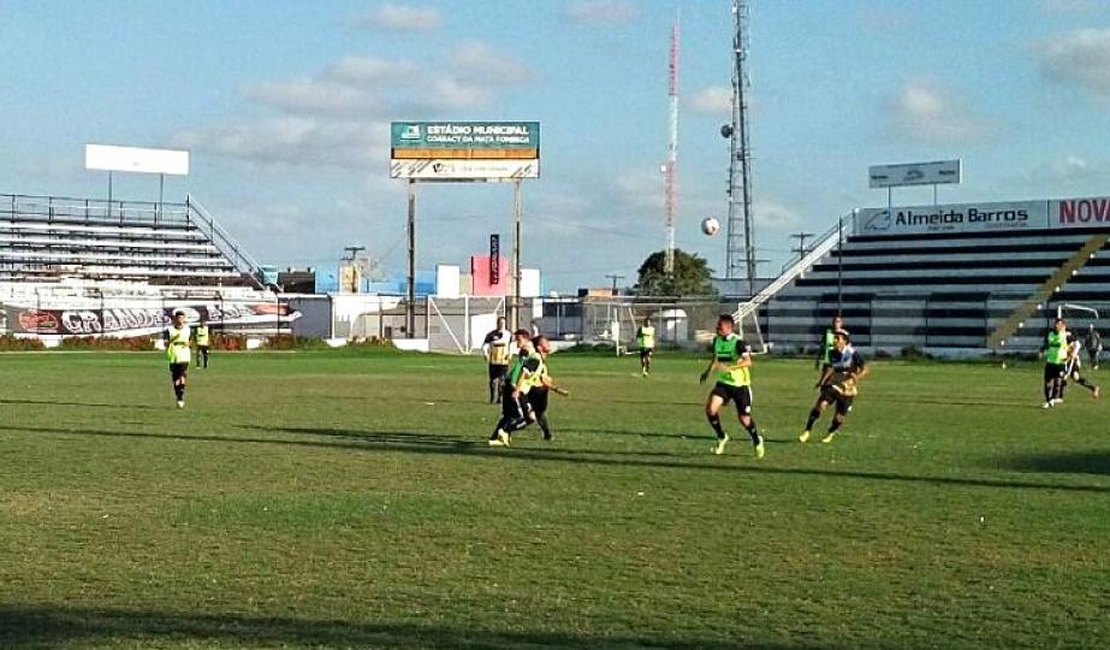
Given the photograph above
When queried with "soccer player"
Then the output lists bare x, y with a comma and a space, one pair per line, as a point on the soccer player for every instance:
732, 359
826, 347
1056, 358
645, 338
176, 337
1093, 343
496, 350
201, 335
1071, 369
839, 385
542, 385
515, 386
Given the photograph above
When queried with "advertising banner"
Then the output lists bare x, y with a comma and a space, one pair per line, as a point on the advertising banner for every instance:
1080, 213
954, 218
140, 321
464, 150
925, 173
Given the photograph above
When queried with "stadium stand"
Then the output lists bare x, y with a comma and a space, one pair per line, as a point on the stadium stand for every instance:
66, 259
961, 288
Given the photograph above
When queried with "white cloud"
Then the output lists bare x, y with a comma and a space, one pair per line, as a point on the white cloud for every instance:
714, 100
478, 60
403, 18
1080, 58
315, 97
926, 112
361, 71
294, 140
602, 12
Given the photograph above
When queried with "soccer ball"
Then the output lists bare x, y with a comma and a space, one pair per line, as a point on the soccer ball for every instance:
710, 226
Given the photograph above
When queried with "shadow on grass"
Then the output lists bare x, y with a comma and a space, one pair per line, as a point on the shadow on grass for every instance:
52, 402
1079, 462
424, 443
49, 627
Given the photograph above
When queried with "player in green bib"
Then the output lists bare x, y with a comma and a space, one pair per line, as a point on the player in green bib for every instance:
827, 343
1056, 358
732, 360
645, 338
179, 354
523, 369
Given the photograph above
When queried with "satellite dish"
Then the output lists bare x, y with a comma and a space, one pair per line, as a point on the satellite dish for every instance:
726, 131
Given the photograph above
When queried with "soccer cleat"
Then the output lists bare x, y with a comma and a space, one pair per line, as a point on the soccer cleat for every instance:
503, 437
1095, 393
1047, 405
494, 442
180, 403
829, 438
720, 448
759, 448
1056, 401
804, 437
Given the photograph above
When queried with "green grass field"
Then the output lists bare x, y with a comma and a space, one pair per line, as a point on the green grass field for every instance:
345, 499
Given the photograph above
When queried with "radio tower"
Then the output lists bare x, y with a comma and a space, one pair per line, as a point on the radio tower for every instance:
741, 233
670, 169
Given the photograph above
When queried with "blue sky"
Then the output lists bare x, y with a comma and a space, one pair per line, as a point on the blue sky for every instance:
285, 107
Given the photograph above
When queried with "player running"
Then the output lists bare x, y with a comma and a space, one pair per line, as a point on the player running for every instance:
517, 383
645, 338
176, 337
1056, 358
732, 359
839, 385
1072, 367
201, 337
542, 386
496, 350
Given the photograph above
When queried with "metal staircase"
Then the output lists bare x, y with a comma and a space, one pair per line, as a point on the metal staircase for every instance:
795, 268
1008, 327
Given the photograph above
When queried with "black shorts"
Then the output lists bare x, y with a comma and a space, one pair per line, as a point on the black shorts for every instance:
1053, 371
843, 402
178, 370
742, 395
646, 352
513, 408
497, 372
537, 400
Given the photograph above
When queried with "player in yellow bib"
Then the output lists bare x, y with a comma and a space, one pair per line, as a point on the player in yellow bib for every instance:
732, 359
179, 354
201, 336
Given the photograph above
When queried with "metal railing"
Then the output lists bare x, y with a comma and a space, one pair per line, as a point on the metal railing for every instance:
243, 261
796, 267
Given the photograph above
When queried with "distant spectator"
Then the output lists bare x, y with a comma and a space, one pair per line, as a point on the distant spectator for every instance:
1093, 342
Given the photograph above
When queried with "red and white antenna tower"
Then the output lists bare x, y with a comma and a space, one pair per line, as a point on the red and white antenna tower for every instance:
670, 169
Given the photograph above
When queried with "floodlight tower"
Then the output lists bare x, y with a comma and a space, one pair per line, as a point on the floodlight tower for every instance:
670, 168
740, 240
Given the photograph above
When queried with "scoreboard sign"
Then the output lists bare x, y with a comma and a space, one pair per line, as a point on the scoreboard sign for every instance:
464, 151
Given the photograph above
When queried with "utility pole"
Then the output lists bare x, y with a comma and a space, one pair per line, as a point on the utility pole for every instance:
614, 277
670, 168
351, 252
801, 250
740, 229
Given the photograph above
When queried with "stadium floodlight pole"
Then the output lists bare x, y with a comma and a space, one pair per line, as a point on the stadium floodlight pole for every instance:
840, 266
518, 208
410, 305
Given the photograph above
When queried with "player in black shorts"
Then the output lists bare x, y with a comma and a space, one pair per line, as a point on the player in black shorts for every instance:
496, 349
541, 389
839, 385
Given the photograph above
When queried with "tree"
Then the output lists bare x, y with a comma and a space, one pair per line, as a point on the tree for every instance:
690, 278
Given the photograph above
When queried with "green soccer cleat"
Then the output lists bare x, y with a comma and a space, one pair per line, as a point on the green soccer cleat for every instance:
720, 448
804, 437
829, 438
759, 448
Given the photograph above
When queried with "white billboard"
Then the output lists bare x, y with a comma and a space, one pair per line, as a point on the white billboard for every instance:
136, 159
925, 173
954, 218
459, 169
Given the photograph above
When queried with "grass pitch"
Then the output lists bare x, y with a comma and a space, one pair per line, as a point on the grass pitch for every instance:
341, 499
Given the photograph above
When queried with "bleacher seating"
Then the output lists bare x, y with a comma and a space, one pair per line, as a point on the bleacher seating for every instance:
969, 292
